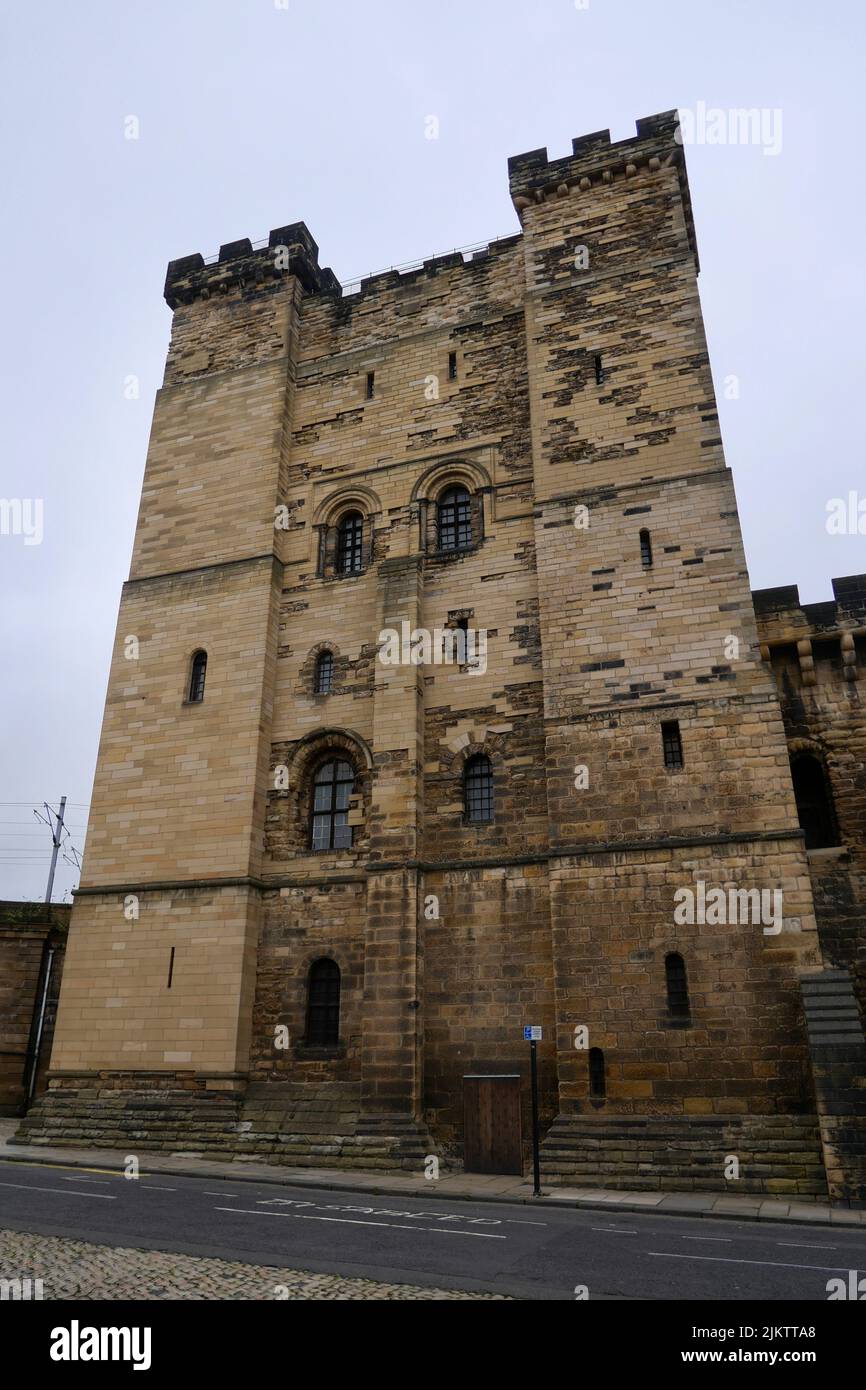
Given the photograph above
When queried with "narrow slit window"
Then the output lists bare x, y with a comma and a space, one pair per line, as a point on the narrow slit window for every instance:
677, 986
324, 673
198, 670
323, 1004
597, 1087
170, 969
646, 549
599, 369
478, 790
672, 744
452, 366
371, 385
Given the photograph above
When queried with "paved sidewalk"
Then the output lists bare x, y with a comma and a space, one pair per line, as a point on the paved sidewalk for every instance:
454, 1186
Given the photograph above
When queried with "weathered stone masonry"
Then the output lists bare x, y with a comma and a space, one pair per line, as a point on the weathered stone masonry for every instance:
560, 377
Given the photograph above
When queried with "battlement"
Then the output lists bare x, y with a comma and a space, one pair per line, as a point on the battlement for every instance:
290, 250
782, 606
596, 161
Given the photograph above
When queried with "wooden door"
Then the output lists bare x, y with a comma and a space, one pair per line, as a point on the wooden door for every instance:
491, 1124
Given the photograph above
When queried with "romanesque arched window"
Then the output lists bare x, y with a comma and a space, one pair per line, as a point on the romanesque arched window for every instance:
814, 802
329, 822
478, 789
677, 985
324, 677
454, 519
323, 1004
350, 544
197, 672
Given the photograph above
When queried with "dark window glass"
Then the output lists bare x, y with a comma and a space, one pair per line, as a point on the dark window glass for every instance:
452, 366
814, 806
596, 1073
599, 369
350, 548
324, 673
371, 385
672, 744
455, 519
677, 986
478, 789
198, 670
646, 549
323, 1004
332, 788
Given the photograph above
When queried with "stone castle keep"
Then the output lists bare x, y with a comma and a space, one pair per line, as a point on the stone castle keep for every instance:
324, 892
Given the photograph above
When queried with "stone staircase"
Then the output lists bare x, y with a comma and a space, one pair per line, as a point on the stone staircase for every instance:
325, 1127
172, 1120
777, 1155
837, 1051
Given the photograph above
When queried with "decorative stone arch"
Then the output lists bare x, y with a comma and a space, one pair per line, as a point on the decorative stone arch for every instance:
326, 524
290, 806
437, 479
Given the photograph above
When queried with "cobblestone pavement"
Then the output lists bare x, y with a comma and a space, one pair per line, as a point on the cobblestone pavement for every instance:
76, 1269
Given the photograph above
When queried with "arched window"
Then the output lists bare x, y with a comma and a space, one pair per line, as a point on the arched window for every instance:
350, 544
323, 1004
454, 516
478, 789
646, 549
332, 787
597, 1087
197, 671
677, 985
814, 803
324, 674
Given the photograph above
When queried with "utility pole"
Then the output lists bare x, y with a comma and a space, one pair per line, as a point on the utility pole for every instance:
56, 835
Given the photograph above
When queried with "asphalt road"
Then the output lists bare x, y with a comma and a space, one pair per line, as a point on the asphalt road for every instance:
536, 1252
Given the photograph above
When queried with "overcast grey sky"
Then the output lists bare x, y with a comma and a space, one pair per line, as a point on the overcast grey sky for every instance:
257, 113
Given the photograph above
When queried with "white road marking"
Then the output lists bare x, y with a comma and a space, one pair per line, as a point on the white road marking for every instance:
726, 1240
513, 1221
614, 1230
346, 1221
723, 1260
805, 1245
155, 1187
103, 1182
63, 1191
209, 1192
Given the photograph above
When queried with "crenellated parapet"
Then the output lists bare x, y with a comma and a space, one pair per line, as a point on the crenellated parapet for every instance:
290, 251
785, 622
597, 162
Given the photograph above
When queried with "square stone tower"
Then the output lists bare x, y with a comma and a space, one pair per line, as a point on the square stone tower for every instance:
327, 885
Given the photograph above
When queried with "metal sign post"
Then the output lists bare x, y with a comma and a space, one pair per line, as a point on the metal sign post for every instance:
533, 1036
